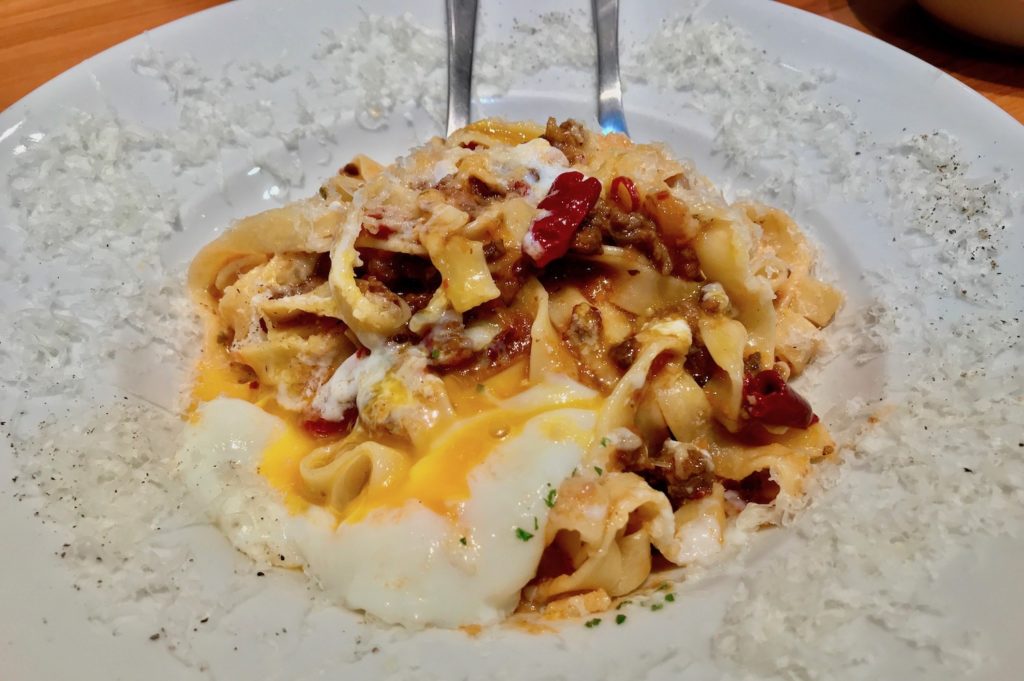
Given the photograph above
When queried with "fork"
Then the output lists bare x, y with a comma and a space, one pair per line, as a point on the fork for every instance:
461, 34
610, 114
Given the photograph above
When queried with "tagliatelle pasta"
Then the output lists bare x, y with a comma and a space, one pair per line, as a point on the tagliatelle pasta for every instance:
577, 323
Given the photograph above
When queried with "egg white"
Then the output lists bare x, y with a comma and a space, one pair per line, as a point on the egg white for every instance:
219, 460
407, 564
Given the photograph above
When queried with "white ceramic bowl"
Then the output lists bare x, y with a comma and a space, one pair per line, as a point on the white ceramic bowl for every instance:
1001, 21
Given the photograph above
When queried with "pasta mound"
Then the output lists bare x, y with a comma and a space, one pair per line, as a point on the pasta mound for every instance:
401, 299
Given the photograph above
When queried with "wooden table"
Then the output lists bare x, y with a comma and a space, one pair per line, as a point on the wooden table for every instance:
41, 38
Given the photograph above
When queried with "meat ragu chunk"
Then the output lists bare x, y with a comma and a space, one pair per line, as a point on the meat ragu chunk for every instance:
624, 354
756, 488
400, 272
583, 337
494, 251
569, 137
469, 197
634, 229
699, 364
511, 344
509, 269
411, 278
447, 345
373, 286
682, 472
587, 240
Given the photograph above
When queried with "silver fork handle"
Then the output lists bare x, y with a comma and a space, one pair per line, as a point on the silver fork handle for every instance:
461, 30
609, 87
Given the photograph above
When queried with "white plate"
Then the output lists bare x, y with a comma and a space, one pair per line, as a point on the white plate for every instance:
864, 613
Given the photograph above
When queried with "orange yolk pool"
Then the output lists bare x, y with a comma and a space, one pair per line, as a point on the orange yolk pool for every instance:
439, 474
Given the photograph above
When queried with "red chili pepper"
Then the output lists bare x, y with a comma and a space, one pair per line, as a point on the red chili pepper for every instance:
620, 183
325, 428
570, 199
771, 402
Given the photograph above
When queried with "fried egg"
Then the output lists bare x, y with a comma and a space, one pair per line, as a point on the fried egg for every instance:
452, 545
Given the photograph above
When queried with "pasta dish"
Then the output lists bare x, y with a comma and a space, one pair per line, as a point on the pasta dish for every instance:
517, 370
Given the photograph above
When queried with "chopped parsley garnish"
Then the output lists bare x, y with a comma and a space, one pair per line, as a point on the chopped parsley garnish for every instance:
605, 442
435, 353
620, 618
549, 500
600, 471
590, 624
480, 387
462, 540
657, 606
536, 526
523, 535
670, 597
623, 604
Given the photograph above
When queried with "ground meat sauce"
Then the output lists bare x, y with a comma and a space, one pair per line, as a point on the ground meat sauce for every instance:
511, 343
509, 270
483, 190
449, 352
681, 478
625, 222
568, 137
494, 251
400, 272
583, 338
587, 240
410, 277
322, 268
447, 346
590, 277
686, 265
470, 197
699, 364
756, 488
624, 354
373, 286
416, 301
619, 228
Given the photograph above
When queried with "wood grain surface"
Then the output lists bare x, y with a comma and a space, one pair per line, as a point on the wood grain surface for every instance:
39, 39
994, 71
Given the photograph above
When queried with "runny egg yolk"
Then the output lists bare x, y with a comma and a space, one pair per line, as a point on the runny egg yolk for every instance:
439, 479
440, 471
215, 378
280, 465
